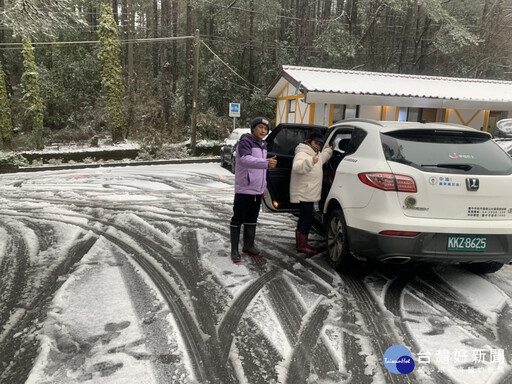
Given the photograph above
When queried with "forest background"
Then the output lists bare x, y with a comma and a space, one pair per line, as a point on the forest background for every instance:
82, 70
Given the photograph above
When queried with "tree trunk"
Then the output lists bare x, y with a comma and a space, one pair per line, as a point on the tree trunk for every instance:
174, 53
252, 65
131, 71
188, 68
166, 69
404, 45
301, 30
115, 9
154, 34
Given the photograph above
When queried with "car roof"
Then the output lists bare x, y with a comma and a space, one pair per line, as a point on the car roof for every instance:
392, 126
321, 128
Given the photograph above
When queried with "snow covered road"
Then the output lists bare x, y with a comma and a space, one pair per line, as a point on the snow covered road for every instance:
123, 275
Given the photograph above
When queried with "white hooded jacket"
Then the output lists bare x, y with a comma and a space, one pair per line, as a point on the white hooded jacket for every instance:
306, 177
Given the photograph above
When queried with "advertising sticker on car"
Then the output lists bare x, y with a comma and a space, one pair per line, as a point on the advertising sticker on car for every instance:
467, 243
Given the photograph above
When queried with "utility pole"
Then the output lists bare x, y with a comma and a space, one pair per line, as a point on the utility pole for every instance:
193, 127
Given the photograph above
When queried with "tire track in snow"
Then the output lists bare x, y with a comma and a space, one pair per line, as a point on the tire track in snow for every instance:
355, 363
13, 269
380, 331
237, 309
306, 276
291, 314
24, 321
438, 292
323, 360
303, 352
392, 301
203, 368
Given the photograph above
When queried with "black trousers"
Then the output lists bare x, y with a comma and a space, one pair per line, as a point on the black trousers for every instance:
305, 217
246, 209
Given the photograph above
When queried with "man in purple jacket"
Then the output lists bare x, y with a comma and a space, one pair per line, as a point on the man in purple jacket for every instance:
250, 183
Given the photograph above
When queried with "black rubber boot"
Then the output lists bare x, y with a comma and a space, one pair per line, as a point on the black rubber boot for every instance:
234, 231
249, 235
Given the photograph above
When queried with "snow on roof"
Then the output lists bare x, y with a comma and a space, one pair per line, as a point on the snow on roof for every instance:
343, 86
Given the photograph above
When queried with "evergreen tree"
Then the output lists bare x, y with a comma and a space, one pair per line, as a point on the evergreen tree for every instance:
5, 113
33, 17
32, 96
111, 79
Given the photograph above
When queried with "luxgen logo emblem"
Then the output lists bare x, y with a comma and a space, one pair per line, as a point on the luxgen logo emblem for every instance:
472, 184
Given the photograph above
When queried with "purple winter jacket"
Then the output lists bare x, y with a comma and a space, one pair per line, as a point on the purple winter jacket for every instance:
251, 166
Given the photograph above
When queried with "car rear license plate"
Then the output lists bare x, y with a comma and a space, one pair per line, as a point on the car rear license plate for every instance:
467, 243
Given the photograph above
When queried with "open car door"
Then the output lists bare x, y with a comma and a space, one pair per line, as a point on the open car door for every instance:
281, 142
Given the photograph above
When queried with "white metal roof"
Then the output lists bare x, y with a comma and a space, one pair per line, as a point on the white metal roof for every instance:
335, 86
390, 126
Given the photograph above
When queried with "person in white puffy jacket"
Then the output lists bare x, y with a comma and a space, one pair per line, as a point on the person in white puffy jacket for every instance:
306, 185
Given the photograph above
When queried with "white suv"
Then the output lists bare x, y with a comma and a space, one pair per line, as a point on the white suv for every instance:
395, 192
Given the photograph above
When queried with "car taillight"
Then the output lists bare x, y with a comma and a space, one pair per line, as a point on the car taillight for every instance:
388, 181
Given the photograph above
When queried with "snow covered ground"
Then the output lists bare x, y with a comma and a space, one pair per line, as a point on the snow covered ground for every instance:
122, 275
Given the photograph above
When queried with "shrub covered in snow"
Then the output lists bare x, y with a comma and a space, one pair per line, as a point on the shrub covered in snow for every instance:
12, 160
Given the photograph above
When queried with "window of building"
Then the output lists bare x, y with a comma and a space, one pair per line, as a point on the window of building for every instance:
291, 106
351, 111
414, 114
338, 112
429, 115
402, 114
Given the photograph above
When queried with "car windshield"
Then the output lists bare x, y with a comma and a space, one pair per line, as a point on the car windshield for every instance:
446, 152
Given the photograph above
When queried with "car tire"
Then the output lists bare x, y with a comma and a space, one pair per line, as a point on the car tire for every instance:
233, 165
338, 250
482, 268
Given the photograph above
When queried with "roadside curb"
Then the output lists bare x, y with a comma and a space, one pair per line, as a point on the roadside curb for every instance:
111, 164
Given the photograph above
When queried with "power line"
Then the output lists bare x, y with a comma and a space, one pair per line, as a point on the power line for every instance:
231, 69
151, 39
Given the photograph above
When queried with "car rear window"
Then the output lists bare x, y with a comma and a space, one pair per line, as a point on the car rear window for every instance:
446, 152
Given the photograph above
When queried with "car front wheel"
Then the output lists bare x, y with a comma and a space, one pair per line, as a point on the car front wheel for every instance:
337, 241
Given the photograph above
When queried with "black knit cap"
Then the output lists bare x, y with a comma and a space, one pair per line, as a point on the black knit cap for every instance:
261, 120
317, 136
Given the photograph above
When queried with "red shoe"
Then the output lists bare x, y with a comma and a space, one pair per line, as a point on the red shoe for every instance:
303, 245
